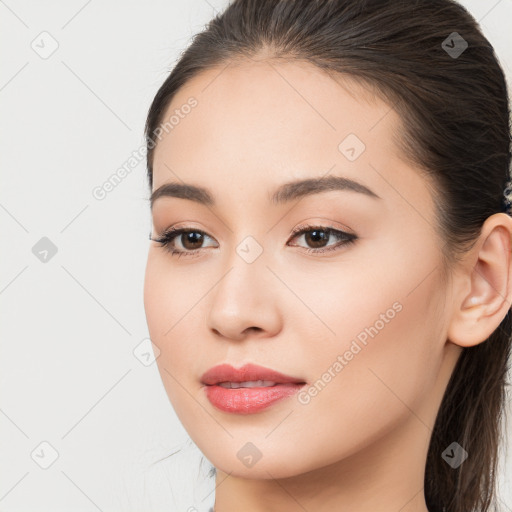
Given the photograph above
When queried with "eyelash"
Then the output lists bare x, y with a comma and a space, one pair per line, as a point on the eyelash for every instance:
170, 234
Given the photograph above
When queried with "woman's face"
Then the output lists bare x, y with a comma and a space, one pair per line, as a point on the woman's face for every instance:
362, 324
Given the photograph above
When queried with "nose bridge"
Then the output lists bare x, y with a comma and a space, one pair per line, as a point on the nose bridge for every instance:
247, 238
245, 276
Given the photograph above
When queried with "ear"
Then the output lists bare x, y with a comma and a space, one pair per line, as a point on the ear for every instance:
483, 288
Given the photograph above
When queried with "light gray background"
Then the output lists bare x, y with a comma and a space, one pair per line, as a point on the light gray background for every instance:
70, 325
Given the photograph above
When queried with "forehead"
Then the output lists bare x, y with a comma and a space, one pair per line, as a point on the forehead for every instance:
268, 122
267, 115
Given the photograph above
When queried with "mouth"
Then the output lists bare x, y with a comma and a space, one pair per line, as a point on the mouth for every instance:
249, 389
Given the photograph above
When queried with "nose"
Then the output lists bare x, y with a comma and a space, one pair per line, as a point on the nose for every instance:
245, 302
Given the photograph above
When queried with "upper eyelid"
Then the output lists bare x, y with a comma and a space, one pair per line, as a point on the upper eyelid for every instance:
300, 229
310, 227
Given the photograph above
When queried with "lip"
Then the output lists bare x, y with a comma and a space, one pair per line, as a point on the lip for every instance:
227, 373
247, 400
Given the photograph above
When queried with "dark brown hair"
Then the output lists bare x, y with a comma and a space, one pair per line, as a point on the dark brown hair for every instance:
456, 129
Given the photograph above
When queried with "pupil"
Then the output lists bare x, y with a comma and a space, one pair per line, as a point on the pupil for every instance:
192, 238
314, 235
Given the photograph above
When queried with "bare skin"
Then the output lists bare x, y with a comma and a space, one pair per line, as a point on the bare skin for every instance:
360, 442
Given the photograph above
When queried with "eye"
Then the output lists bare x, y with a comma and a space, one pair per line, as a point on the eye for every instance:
317, 236
192, 239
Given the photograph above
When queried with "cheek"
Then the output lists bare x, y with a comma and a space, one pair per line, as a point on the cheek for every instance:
383, 359
383, 348
153, 306
173, 313
168, 295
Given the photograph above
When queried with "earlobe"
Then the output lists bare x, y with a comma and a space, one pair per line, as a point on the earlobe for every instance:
487, 273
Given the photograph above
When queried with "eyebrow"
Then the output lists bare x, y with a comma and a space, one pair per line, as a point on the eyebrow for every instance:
284, 193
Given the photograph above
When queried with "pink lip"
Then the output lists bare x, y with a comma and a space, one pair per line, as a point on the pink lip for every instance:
247, 400
226, 373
